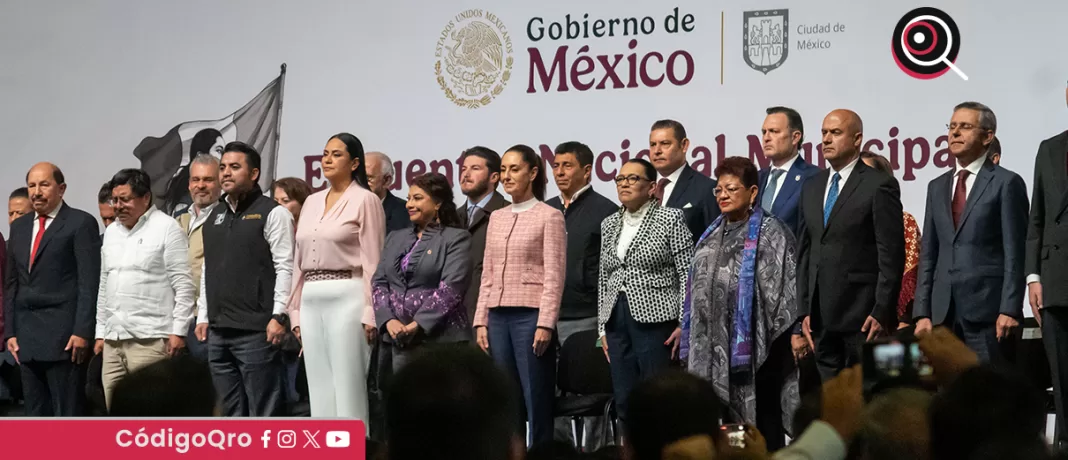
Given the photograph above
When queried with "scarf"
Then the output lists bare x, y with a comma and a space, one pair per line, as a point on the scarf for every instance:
742, 343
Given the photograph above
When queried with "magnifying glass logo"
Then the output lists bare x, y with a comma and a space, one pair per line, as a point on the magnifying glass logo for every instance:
925, 44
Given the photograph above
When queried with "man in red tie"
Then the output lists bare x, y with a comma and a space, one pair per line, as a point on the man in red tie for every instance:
971, 276
50, 290
680, 186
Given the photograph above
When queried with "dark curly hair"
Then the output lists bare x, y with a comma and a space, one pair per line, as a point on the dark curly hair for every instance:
437, 186
739, 167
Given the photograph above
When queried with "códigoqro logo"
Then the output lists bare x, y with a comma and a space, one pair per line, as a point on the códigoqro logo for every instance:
473, 58
926, 43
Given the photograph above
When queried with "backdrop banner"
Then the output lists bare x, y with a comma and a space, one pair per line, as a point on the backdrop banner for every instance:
422, 81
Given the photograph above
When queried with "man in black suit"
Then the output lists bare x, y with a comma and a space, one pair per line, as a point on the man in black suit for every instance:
479, 176
679, 186
1046, 262
50, 291
380, 176
971, 276
851, 249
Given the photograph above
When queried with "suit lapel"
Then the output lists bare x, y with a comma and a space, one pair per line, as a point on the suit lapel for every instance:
815, 198
476, 217
945, 189
1060, 174
53, 228
850, 186
791, 184
679, 190
982, 180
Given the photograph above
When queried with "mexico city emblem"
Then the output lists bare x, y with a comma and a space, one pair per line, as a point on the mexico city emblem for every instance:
765, 42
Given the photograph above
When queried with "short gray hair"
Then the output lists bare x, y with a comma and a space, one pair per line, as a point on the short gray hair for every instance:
987, 120
205, 159
387, 166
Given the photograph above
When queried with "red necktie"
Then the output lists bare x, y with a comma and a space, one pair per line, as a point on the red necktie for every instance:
37, 239
960, 197
659, 192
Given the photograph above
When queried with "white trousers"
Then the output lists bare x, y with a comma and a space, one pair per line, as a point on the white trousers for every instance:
335, 348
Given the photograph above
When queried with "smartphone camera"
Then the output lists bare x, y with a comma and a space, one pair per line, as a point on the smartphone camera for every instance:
893, 362
735, 435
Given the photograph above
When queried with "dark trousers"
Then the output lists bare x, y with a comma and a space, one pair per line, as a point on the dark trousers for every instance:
836, 351
982, 338
636, 351
53, 388
248, 373
511, 339
197, 349
1055, 339
768, 386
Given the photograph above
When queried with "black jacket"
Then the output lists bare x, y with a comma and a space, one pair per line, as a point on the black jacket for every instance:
583, 221
396, 210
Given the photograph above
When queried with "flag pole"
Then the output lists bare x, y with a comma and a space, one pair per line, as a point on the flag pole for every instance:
278, 126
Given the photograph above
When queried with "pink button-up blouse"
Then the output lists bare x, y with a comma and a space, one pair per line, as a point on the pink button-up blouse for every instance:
349, 236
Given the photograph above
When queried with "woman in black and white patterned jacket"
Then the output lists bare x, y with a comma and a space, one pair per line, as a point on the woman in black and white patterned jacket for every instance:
646, 251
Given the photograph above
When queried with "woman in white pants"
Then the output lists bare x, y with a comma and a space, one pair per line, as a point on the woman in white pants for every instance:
338, 243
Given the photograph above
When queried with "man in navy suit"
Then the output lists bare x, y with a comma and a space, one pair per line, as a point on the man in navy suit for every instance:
780, 184
679, 186
50, 291
971, 276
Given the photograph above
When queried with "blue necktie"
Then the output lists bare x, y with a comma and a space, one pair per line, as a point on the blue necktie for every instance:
769, 192
832, 196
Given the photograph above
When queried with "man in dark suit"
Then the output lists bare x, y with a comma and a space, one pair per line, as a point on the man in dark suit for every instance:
479, 176
851, 249
380, 176
971, 274
1046, 262
50, 290
779, 185
679, 186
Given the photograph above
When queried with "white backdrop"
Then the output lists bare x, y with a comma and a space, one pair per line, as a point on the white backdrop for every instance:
83, 82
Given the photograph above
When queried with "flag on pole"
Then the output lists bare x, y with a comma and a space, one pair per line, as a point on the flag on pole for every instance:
166, 159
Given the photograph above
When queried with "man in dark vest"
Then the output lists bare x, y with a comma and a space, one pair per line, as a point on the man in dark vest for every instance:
248, 264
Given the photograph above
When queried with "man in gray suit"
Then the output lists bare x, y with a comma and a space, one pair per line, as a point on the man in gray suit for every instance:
971, 275
479, 176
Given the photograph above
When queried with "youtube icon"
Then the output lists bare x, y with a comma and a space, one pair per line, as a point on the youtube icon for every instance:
337, 439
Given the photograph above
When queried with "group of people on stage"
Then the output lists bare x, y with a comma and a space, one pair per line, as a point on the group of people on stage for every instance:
744, 278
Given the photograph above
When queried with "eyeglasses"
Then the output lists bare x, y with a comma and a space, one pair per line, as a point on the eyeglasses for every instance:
630, 180
962, 126
730, 190
114, 201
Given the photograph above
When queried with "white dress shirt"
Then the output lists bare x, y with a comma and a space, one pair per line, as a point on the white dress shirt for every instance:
785, 168
146, 289
37, 225
674, 178
278, 231
844, 173
573, 197
197, 220
632, 222
973, 170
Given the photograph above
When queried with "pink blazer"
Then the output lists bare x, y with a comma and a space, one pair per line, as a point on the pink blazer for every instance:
524, 263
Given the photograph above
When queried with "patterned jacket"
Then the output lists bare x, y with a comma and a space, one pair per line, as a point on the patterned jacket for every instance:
654, 270
524, 264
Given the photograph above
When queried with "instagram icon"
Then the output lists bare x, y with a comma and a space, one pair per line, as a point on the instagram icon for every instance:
287, 439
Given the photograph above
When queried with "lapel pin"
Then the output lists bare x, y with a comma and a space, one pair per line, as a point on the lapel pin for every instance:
429, 251
797, 178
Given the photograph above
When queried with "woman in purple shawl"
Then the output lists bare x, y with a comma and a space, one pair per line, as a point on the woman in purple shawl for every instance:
741, 303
